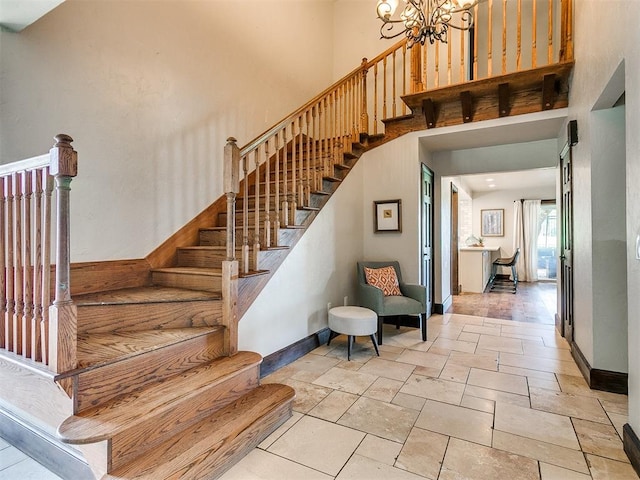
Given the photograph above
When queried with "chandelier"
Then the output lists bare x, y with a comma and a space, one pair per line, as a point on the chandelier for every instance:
422, 19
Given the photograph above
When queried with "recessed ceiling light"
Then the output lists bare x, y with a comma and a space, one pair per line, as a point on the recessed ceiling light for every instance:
492, 185
488, 179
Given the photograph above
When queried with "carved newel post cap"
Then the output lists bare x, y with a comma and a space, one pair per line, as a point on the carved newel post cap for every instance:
63, 158
231, 140
62, 139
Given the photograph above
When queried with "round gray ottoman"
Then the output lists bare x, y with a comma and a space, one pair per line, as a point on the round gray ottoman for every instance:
353, 321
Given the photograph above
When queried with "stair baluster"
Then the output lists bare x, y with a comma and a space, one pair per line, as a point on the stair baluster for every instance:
284, 210
308, 179
8, 326
300, 196
292, 193
4, 277
256, 223
245, 215
18, 311
37, 297
276, 219
28, 319
267, 195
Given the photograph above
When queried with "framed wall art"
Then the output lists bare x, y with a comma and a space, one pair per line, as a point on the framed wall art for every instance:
387, 216
492, 222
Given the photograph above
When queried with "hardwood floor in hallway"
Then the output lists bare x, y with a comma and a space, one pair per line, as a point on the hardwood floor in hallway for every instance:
534, 302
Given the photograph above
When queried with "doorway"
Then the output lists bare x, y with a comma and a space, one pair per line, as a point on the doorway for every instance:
565, 321
427, 235
455, 284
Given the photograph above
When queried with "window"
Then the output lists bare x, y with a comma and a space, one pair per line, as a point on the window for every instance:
547, 242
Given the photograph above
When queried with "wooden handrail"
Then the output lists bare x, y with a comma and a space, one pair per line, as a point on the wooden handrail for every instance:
33, 163
289, 118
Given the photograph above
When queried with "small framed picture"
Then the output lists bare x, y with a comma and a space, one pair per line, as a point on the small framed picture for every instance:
387, 215
492, 222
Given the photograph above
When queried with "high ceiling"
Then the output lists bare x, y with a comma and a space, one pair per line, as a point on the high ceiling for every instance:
16, 15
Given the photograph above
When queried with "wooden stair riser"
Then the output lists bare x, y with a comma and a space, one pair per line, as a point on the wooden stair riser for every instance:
156, 429
218, 237
209, 448
300, 217
329, 169
148, 316
190, 257
101, 384
251, 202
316, 201
192, 281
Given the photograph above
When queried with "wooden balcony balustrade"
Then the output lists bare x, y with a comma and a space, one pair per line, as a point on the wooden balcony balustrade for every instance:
31, 325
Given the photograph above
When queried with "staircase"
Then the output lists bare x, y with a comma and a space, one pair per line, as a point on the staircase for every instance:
156, 391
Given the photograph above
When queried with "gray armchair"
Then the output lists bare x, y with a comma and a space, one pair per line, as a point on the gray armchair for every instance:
413, 301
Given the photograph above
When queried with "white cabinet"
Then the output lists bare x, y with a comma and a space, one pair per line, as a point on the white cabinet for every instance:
474, 267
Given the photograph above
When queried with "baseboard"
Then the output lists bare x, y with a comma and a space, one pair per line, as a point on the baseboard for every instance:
44, 449
440, 308
631, 446
289, 354
605, 380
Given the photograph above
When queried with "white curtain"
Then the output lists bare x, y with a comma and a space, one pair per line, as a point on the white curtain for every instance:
526, 226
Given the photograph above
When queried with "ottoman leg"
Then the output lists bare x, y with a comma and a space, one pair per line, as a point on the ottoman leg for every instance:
375, 344
332, 335
349, 346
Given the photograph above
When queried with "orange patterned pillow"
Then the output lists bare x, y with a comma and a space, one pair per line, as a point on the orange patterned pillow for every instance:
383, 278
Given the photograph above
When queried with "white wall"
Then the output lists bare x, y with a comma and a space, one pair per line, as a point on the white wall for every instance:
609, 240
150, 92
498, 158
393, 171
596, 63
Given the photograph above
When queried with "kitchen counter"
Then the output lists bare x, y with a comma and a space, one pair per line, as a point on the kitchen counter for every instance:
474, 267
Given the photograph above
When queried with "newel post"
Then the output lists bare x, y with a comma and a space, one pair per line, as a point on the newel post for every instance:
63, 326
364, 116
231, 170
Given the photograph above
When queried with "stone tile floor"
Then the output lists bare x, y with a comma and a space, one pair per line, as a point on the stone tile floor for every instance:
483, 398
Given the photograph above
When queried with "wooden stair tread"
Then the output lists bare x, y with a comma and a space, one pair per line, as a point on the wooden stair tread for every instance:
223, 248
143, 295
106, 420
211, 446
331, 179
253, 273
98, 349
212, 272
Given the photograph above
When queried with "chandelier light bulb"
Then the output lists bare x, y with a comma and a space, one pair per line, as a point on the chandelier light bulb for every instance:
386, 9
